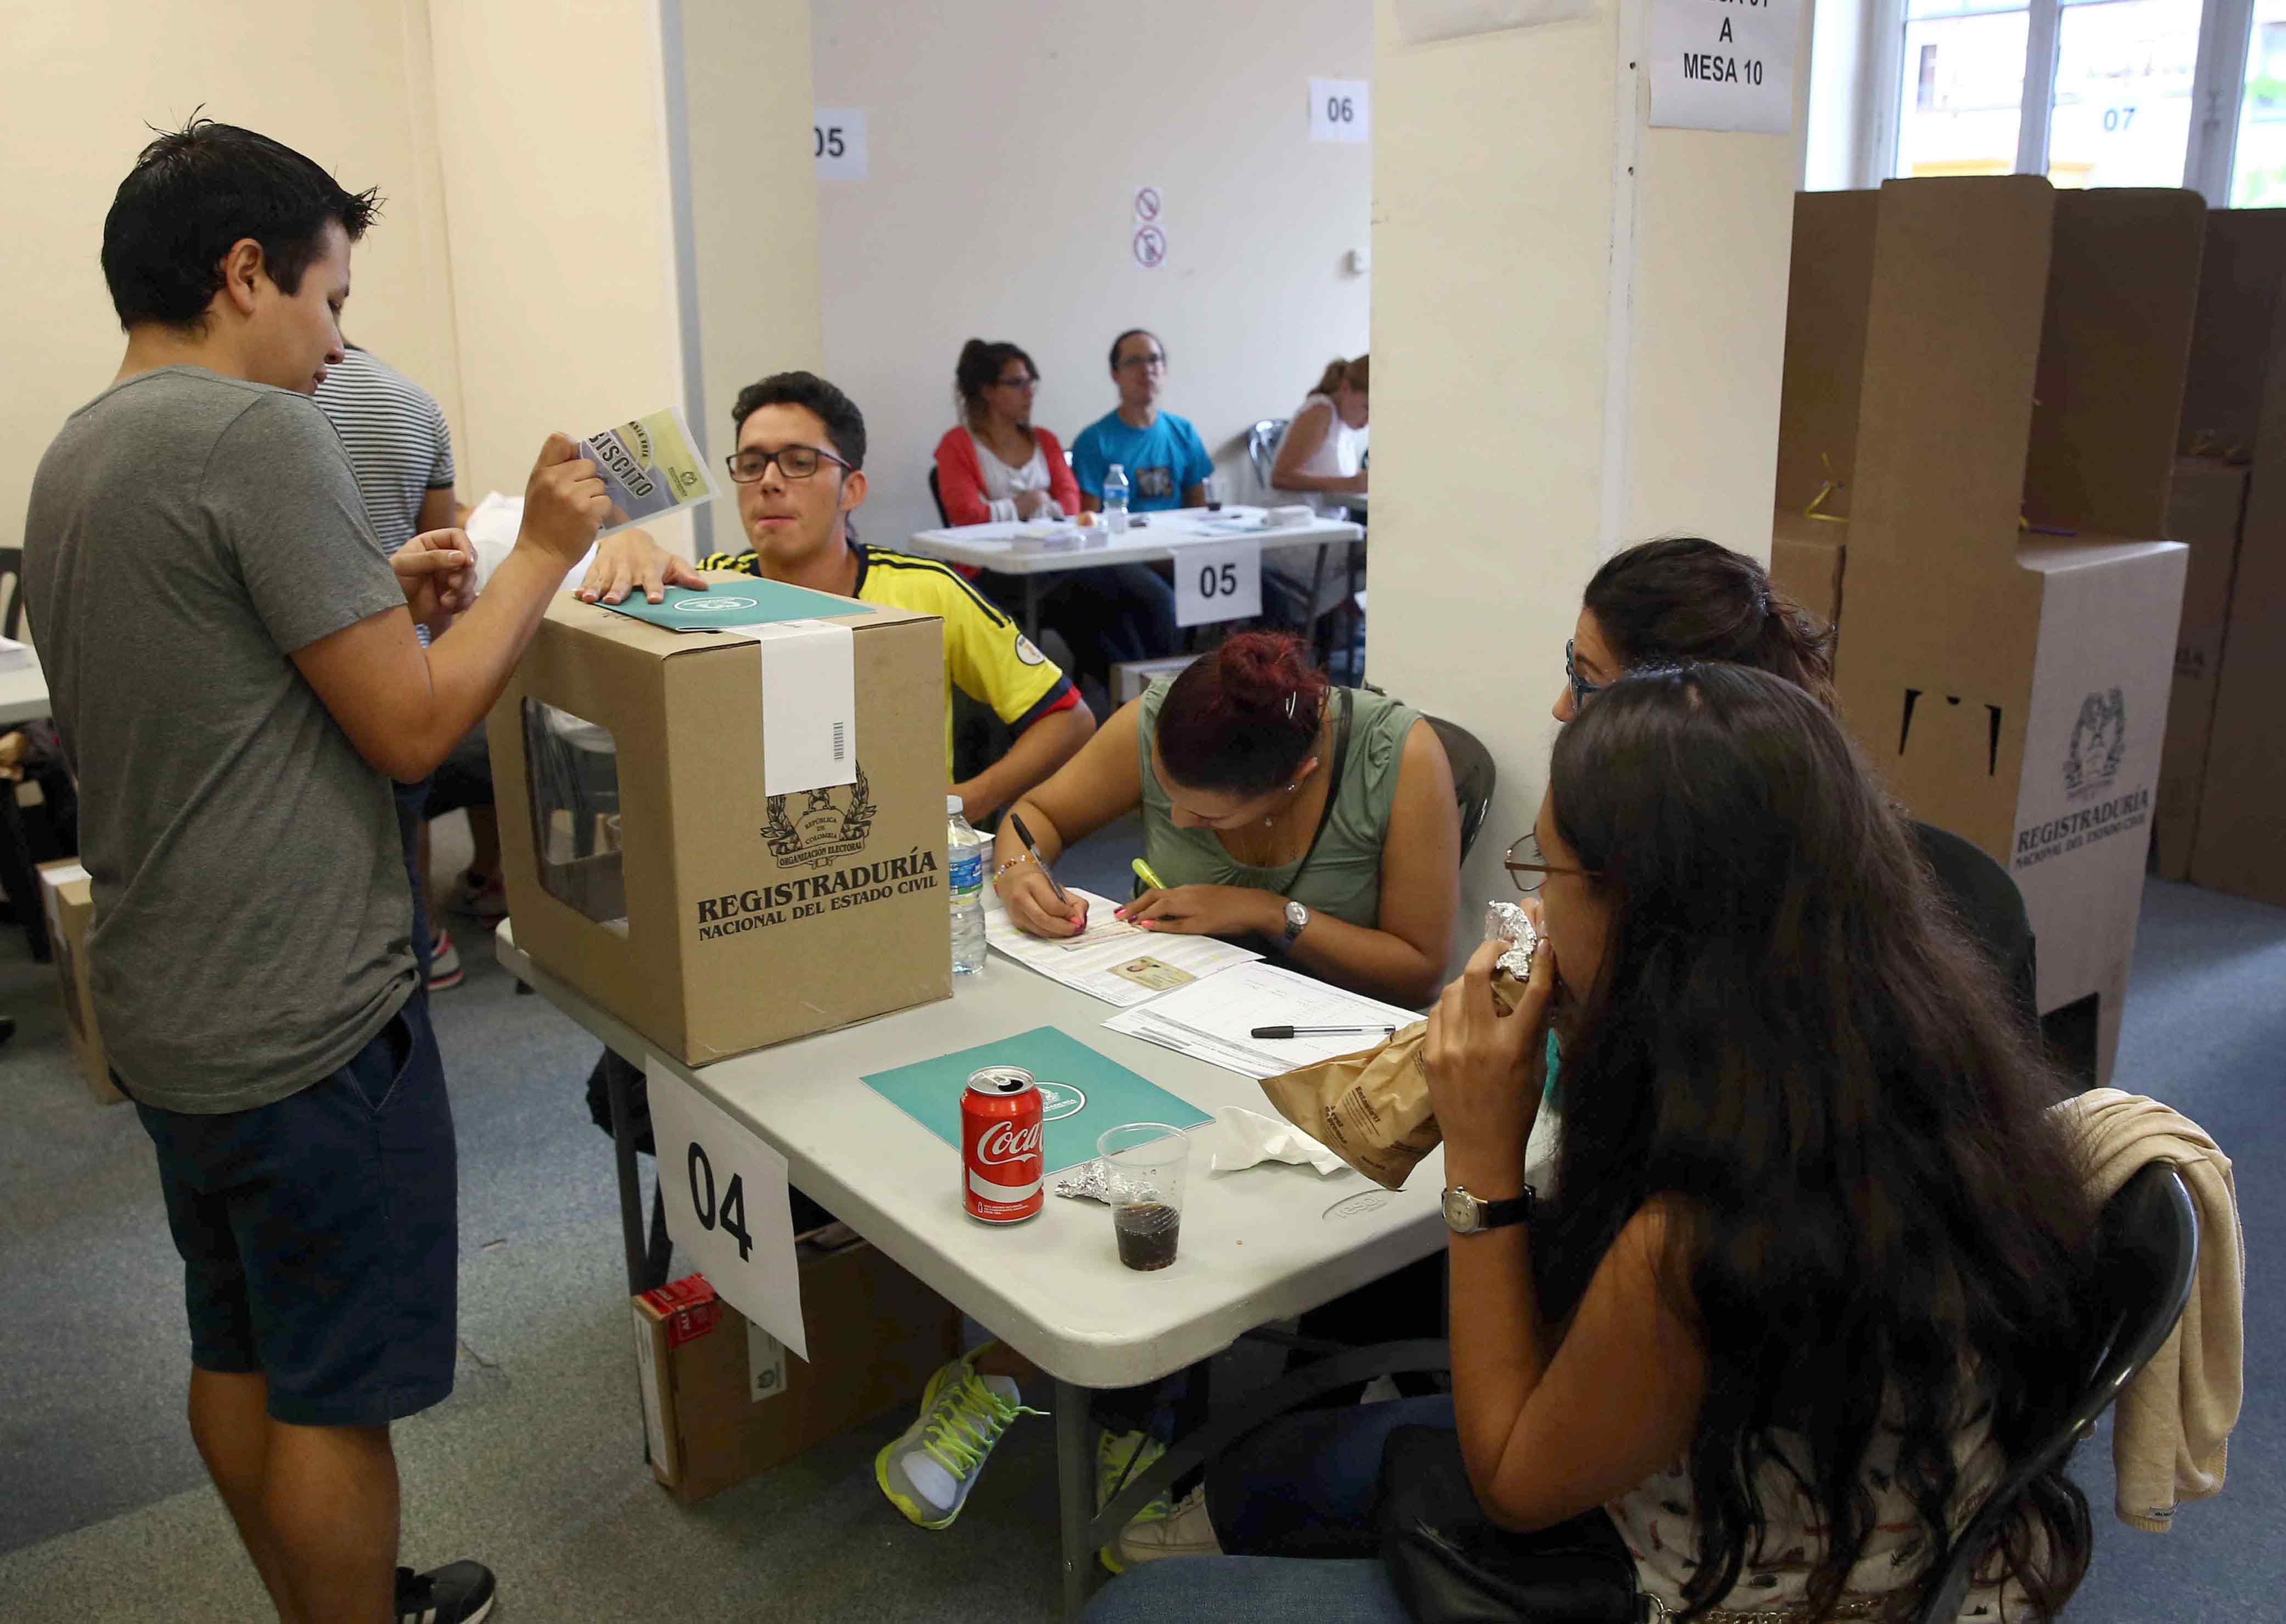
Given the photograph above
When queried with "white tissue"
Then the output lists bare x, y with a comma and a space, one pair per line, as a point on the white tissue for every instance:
1256, 1138
1292, 513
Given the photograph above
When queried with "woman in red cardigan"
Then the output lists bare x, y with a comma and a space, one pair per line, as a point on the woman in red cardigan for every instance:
996, 467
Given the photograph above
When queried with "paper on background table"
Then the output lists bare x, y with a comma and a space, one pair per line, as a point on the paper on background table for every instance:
1213, 1020
765, 1285
649, 468
1083, 1094
1093, 961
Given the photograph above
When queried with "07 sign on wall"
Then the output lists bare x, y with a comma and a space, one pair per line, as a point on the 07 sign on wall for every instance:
836, 140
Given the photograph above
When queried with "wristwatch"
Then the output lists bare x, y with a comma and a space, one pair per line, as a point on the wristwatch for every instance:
1467, 1214
1297, 920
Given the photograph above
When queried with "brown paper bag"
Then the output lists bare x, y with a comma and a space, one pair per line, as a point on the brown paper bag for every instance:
1371, 1109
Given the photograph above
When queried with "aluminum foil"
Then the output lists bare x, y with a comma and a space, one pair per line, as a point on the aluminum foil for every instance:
1507, 922
1091, 1181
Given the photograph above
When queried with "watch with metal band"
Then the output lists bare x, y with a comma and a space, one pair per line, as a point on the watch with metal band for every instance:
1467, 1214
1297, 920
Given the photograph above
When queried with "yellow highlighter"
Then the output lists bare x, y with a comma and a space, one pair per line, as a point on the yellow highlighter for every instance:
1143, 872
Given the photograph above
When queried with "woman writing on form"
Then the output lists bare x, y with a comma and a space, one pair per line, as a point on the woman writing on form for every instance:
1320, 820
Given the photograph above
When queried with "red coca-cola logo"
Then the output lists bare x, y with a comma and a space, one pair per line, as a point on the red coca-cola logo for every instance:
1004, 1142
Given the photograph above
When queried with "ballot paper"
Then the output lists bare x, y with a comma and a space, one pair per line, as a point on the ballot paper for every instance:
1214, 1020
649, 467
13, 654
1112, 960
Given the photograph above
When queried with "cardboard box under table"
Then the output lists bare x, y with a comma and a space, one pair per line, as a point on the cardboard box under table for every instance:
1984, 379
723, 1399
66, 894
730, 836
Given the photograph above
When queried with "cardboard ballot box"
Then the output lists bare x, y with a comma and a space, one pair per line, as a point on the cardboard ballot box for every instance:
67, 896
733, 836
723, 1399
2002, 467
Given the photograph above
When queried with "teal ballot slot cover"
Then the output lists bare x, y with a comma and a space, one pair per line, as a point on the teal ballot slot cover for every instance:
749, 602
1081, 1093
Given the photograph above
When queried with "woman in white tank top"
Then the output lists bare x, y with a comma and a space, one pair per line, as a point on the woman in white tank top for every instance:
1321, 459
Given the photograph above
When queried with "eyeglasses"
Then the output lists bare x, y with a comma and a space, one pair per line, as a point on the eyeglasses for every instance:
1016, 383
1151, 363
1582, 690
1526, 864
794, 462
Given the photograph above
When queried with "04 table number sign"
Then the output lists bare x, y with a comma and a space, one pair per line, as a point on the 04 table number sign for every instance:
725, 1205
1217, 583
837, 141
1722, 64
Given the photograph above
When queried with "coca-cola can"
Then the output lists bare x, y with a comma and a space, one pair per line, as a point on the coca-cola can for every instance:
1000, 1160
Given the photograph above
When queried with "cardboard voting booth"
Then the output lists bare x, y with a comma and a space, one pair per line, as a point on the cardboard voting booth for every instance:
2232, 815
1983, 378
68, 897
724, 823
2204, 510
722, 1400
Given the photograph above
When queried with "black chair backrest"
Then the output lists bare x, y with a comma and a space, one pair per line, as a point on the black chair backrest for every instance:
936, 495
2148, 1249
11, 593
1473, 777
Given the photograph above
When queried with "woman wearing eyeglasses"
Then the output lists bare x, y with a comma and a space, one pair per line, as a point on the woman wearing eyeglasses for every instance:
996, 466
1683, 600
1814, 1265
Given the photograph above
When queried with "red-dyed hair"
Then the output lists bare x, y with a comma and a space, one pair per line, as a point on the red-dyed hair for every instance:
1243, 719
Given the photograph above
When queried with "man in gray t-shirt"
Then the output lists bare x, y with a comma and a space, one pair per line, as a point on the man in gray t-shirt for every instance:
236, 680
232, 829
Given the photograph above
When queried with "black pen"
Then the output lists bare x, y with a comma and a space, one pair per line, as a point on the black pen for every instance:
1025, 835
1320, 1032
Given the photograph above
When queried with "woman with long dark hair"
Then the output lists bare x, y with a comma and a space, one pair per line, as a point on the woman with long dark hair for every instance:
1816, 1262
1683, 599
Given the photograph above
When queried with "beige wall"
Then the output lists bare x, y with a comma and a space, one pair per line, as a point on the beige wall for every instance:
753, 211
1006, 143
345, 82
1571, 357
551, 129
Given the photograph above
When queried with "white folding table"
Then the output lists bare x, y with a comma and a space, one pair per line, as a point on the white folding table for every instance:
1161, 538
1257, 1245
23, 692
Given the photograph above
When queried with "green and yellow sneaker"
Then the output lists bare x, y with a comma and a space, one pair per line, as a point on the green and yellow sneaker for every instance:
927, 1470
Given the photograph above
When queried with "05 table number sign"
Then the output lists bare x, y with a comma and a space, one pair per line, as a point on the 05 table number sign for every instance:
837, 141
1217, 583
725, 1205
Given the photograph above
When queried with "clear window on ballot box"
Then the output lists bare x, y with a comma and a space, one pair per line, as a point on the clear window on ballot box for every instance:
572, 772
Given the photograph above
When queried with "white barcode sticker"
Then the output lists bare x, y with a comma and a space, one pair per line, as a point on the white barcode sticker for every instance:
809, 705
766, 1364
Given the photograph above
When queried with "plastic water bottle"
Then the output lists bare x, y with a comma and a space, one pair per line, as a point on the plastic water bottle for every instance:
964, 878
1115, 501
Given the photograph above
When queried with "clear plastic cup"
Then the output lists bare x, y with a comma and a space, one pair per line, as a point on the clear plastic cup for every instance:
1217, 493
1144, 1164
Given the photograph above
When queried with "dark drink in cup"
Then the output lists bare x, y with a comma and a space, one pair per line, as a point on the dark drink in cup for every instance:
1147, 1233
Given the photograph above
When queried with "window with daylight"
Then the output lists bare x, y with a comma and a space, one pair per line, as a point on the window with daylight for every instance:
2086, 92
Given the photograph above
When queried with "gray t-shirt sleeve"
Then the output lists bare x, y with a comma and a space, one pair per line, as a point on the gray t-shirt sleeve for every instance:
286, 515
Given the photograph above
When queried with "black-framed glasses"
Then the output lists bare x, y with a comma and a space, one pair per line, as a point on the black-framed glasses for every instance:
1150, 363
1582, 690
794, 462
1529, 866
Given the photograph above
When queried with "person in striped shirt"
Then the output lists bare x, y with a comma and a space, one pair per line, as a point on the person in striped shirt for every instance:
799, 471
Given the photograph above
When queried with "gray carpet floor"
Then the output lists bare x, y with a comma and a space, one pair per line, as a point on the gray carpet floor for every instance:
534, 1464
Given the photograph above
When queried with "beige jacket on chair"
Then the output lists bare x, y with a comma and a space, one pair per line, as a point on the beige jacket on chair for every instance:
2171, 1425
